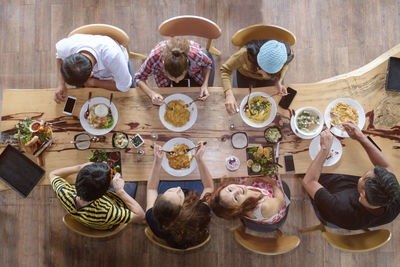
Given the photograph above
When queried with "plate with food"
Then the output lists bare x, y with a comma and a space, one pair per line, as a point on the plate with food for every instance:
32, 133
179, 163
335, 152
343, 110
112, 158
272, 135
262, 110
120, 140
308, 122
102, 117
260, 160
175, 116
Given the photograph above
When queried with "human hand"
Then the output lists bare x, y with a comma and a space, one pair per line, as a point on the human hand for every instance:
200, 150
118, 182
61, 94
352, 130
158, 153
204, 92
281, 90
326, 140
230, 103
156, 99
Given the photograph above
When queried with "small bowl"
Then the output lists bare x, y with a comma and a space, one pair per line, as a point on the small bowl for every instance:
315, 111
237, 135
113, 140
273, 127
82, 145
139, 140
33, 126
232, 163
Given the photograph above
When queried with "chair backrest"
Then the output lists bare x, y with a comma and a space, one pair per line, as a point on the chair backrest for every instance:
160, 242
192, 25
81, 229
265, 245
113, 32
362, 242
261, 32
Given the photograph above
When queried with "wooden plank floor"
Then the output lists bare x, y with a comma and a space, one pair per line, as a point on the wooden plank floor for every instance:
333, 37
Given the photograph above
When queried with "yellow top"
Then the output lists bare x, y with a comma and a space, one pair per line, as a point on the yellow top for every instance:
239, 61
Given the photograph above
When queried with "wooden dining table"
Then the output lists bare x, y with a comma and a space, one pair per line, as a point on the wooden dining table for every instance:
136, 114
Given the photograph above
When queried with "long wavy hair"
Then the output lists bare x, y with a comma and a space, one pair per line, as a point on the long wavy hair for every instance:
185, 226
222, 210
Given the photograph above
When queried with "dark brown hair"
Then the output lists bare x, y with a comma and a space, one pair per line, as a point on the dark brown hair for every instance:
175, 56
186, 225
229, 213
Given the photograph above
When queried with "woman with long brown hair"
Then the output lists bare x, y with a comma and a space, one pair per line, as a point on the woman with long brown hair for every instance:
180, 218
172, 61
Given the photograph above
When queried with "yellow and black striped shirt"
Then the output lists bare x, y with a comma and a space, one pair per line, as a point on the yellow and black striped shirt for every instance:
102, 214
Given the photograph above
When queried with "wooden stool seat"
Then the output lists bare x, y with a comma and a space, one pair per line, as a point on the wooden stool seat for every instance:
261, 32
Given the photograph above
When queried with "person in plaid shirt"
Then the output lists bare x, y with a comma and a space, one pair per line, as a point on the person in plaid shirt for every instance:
172, 61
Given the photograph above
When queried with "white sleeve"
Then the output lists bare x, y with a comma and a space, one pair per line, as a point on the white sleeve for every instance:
62, 50
120, 71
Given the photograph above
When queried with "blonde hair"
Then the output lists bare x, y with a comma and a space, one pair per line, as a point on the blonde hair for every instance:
175, 56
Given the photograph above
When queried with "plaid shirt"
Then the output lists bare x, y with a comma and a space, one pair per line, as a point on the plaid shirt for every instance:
154, 65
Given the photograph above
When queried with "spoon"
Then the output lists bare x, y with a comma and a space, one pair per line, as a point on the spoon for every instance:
109, 106
191, 102
246, 106
86, 114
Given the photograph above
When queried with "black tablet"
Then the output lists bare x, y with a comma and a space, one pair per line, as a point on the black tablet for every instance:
18, 171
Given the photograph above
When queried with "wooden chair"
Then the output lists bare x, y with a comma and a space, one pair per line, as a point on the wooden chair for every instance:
115, 33
369, 240
192, 25
81, 229
160, 242
265, 245
260, 32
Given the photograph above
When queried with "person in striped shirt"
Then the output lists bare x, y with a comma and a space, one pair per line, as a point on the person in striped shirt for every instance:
90, 201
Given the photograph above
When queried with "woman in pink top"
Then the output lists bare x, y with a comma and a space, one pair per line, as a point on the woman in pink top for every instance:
260, 200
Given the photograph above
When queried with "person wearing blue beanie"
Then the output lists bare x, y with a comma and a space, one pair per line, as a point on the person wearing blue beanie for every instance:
259, 63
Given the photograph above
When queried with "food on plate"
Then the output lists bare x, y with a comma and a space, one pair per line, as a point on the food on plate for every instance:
98, 155
176, 114
100, 117
272, 134
308, 121
239, 140
232, 163
29, 138
179, 159
261, 160
33, 141
343, 112
120, 140
34, 127
137, 140
259, 109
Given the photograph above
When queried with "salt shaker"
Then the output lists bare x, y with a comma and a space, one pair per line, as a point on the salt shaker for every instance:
232, 126
140, 152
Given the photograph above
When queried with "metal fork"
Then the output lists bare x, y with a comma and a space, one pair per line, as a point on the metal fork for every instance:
190, 103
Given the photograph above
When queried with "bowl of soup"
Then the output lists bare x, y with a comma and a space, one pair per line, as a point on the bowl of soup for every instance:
308, 121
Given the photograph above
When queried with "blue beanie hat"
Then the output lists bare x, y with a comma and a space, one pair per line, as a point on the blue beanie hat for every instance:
272, 56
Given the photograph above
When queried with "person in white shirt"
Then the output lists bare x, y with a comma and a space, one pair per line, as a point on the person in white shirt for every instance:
86, 60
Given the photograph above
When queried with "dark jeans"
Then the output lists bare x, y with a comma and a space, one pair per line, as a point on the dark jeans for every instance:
131, 72
265, 228
192, 82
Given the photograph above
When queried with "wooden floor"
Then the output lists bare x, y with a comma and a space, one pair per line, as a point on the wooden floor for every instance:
333, 37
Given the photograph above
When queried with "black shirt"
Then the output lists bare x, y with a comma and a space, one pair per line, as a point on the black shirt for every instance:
154, 226
338, 203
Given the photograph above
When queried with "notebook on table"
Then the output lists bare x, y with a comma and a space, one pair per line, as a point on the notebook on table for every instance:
18, 171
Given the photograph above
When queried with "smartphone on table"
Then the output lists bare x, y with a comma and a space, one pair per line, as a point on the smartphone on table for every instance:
69, 105
289, 162
287, 99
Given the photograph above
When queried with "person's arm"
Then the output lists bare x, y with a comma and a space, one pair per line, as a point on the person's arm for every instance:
204, 88
64, 172
205, 174
375, 156
138, 213
61, 91
156, 98
310, 181
154, 179
106, 84
281, 90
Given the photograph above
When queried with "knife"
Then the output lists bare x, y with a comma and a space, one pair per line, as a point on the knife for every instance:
277, 152
43, 148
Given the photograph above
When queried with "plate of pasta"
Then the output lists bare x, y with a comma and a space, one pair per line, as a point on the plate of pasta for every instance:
179, 163
262, 110
343, 110
102, 117
173, 114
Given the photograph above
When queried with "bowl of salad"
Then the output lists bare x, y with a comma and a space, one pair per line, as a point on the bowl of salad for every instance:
272, 135
120, 140
308, 121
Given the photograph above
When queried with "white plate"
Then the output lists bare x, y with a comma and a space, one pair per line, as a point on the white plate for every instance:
336, 150
192, 109
337, 130
271, 115
93, 101
302, 136
169, 146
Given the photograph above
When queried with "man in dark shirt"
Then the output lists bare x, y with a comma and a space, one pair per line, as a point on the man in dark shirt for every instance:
352, 202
